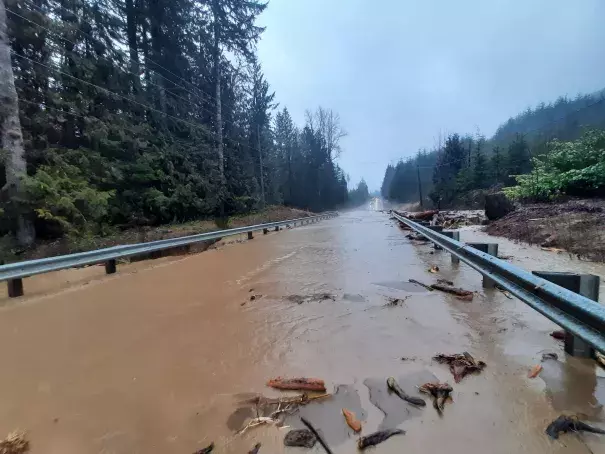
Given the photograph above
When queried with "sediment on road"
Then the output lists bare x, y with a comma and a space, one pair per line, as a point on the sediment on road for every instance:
577, 227
144, 234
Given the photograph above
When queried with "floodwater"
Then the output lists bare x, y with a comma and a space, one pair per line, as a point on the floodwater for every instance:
162, 356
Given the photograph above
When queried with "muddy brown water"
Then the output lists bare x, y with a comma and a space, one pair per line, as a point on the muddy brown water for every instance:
158, 357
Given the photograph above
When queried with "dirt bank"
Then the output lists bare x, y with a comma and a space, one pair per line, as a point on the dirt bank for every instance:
65, 246
577, 227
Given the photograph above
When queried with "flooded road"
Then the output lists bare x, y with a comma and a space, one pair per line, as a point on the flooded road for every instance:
159, 357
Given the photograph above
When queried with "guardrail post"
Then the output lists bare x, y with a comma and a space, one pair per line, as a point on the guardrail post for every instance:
15, 287
438, 229
265, 231
110, 266
250, 235
586, 285
454, 235
491, 249
277, 228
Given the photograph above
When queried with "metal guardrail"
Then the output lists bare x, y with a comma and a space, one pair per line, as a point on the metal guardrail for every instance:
575, 313
19, 270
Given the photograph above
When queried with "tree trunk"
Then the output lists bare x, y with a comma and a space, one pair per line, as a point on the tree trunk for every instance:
218, 119
10, 132
133, 46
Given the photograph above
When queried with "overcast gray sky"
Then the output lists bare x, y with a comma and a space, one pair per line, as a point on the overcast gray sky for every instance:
400, 71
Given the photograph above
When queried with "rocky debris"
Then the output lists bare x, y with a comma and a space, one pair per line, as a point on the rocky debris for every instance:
396, 301
564, 424
497, 206
378, 437
315, 297
298, 383
256, 449
433, 269
14, 443
461, 364
440, 393
547, 356
301, 438
322, 442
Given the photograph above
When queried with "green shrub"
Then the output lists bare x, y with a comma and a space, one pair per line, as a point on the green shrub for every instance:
574, 168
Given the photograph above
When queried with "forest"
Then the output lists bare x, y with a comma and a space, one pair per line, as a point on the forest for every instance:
552, 150
144, 112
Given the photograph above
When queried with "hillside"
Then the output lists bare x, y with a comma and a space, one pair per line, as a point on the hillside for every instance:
466, 162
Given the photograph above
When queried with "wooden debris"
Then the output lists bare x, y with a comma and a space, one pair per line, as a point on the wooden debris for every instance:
535, 371
504, 292
351, 420
378, 437
444, 282
14, 443
317, 435
564, 424
460, 364
465, 297
553, 249
423, 215
208, 449
440, 393
414, 281
454, 291
298, 383
558, 334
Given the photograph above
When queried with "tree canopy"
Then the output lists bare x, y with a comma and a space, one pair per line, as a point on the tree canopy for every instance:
143, 112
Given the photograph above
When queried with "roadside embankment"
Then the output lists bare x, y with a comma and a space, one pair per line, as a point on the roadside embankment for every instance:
144, 234
577, 227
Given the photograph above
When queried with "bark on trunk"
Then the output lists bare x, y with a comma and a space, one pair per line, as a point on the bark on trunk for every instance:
11, 137
218, 113
133, 46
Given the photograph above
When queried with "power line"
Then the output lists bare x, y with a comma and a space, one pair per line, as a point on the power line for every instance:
193, 125
136, 75
201, 127
116, 51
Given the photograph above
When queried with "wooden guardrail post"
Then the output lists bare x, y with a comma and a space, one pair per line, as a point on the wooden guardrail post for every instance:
110, 266
584, 284
15, 287
250, 236
454, 235
491, 249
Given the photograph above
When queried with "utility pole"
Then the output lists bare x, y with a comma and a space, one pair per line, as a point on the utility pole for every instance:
419, 185
262, 173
